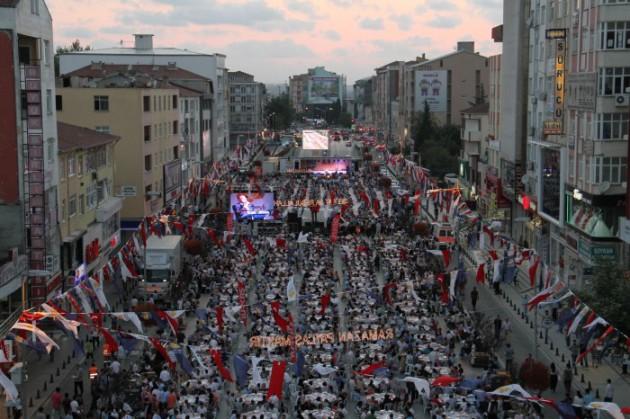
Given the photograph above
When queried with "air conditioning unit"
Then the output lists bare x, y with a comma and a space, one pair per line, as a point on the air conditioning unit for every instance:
621, 101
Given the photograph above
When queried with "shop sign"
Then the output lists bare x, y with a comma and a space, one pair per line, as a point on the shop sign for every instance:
624, 229
560, 76
552, 127
92, 251
594, 253
558, 33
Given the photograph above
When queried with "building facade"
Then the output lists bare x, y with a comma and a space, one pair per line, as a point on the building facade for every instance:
297, 92
247, 106
474, 136
387, 97
89, 217
148, 165
363, 102
209, 66
29, 231
315, 92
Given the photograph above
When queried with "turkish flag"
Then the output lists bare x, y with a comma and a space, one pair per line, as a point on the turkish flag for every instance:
219, 312
334, 228
218, 361
493, 254
481, 274
276, 379
416, 206
532, 272
282, 323
369, 370
324, 302
250, 247
446, 254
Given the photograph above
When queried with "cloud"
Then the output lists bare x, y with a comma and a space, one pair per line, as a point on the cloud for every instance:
443, 21
332, 35
403, 49
300, 6
372, 24
284, 48
77, 32
441, 5
404, 22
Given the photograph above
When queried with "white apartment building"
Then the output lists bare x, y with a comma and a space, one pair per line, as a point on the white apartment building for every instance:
210, 66
247, 106
29, 233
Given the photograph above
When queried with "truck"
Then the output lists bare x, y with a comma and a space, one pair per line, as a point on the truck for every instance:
163, 264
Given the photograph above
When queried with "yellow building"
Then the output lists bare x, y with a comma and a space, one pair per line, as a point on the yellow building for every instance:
89, 213
147, 121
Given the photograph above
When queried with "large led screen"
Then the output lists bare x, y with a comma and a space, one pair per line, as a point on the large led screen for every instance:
315, 140
252, 206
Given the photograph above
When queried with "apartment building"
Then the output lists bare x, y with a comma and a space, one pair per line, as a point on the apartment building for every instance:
387, 91
29, 235
363, 101
298, 85
89, 217
247, 106
148, 165
209, 66
316, 91
579, 55
474, 137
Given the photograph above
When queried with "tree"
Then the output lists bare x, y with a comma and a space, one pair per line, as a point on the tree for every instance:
279, 113
534, 374
608, 295
345, 120
73, 47
422, 128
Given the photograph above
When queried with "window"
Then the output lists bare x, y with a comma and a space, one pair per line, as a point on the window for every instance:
35, 7
612, 126
176, 152
59, 103
101, 103
174, 101
102, 190
175, 127
91, 196
147, 192
147, 133
147, 162
146, 103
46, 52
154, 103
80, 165
62, 168
70, 166
615, 35
72, 206
49, 102
610, 169
613, 80
82, 204
63, 211
50, 145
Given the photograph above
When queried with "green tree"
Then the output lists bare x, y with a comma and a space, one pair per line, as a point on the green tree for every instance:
608, 295
73, 47
422, 128
279, 113
345, 120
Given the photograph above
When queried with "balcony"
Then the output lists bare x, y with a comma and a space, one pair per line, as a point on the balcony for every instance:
471, 136
11, 274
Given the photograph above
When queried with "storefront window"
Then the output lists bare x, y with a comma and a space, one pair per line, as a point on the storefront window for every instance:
593, 220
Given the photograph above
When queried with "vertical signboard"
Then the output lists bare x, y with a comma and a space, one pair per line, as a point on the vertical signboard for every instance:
558, 110
430, 87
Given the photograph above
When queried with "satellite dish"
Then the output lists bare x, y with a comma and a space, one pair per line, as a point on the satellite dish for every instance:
525, 179
604, 186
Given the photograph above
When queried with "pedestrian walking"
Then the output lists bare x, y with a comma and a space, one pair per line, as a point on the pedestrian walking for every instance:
474, 296
497, 327
609, 392
77, 377
567, 378
553, 377
509, 357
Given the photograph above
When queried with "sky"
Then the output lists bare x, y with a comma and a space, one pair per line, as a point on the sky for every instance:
273, 39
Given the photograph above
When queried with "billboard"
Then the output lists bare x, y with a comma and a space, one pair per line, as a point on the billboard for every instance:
431, 88
323, 90
315, 140
172, 181
252, 206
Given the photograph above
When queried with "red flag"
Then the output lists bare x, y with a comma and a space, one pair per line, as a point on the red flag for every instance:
218, 361
481, 274
250, 247
76, 307
160, 349
364, 198
386, 292
97, 319
276, 379
281, 243
229, 223
110, 341
334, 228
282, 323
172, 322
143, 233
416, 206
219, 312
493, 254
490, 234
324, 301
376, 206
213, 237
369, 370
532, 273
594, 345
332, 198
446, 254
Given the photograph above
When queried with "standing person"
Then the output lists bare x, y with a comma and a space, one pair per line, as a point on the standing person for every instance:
509, 357
609, 392
56, 399
474, 296
567, 378
497, 327
77, 376
553, 377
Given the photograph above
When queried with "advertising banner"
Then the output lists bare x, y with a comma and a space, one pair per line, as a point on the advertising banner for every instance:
431, 88
323, 90
172, 181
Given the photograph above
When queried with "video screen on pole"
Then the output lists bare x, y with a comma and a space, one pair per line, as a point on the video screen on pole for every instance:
315, 139
252, 206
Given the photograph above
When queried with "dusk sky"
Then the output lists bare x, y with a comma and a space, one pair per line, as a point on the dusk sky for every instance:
274, 39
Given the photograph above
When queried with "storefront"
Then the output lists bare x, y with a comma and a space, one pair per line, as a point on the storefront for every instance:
493, 205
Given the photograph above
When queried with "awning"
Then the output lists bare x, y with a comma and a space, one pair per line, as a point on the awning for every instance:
76, 234
107, 209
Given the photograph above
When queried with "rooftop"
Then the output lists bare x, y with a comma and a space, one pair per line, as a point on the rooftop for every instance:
98, 70
138, 51
72, 137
